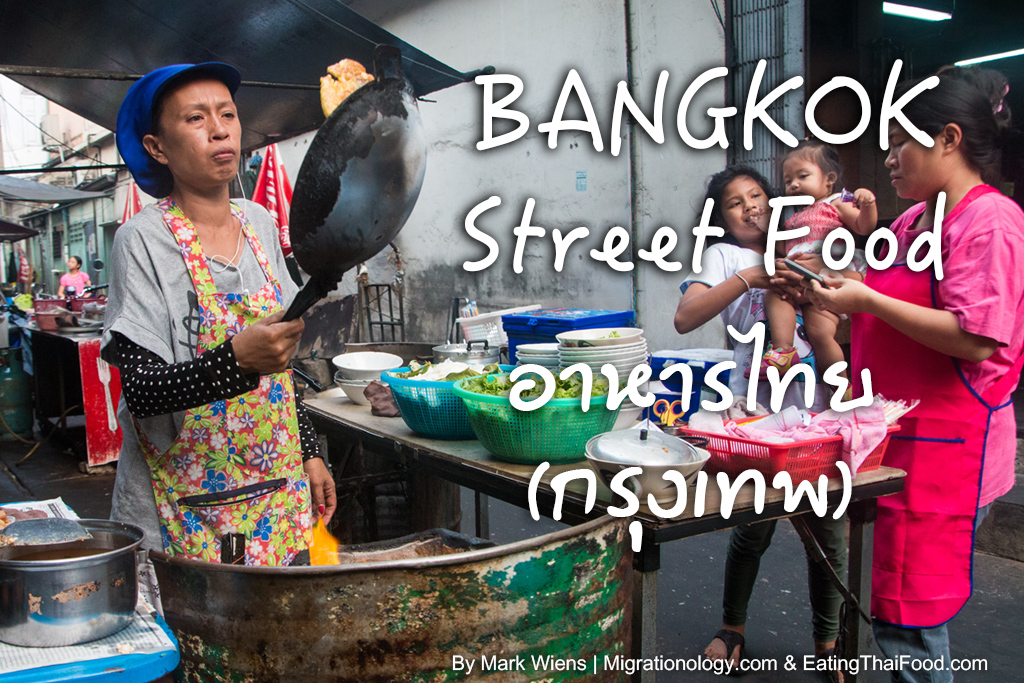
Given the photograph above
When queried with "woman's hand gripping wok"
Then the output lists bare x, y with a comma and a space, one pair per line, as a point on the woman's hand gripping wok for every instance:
267, 346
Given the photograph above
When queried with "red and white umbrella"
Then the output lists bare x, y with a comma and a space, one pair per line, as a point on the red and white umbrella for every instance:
274, 192
133, 204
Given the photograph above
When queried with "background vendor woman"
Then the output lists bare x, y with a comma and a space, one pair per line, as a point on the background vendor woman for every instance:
216, 445
955, 343
74, 278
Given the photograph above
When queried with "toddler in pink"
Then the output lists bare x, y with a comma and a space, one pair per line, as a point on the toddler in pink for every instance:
813, 169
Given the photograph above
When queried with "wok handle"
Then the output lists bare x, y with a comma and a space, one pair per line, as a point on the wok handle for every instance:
307, 296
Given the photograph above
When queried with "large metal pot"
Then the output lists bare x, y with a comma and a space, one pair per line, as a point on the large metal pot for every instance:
70, 593
405, 620
475, 352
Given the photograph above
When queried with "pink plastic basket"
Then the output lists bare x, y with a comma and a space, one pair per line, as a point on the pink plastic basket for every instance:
804, 460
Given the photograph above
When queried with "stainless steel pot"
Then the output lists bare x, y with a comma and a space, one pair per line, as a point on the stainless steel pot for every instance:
70, 593
478, 352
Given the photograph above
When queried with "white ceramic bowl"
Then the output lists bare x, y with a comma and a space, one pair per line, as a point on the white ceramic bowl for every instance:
544, 348
603, 351
638, 357
628, 415
622, 368
651, 481
366, 364
354, 391
634, 358
600, 337
550, 360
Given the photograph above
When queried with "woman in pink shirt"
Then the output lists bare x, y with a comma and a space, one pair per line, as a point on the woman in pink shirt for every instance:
955, 342
73, 278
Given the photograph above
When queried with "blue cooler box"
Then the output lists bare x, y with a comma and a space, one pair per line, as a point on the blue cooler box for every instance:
538, 327
700, 361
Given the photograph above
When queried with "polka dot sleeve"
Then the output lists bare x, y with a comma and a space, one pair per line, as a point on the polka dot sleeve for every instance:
307, 435
151, 386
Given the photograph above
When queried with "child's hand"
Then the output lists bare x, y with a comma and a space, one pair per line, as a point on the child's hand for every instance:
863, 198
843, 295
787, 284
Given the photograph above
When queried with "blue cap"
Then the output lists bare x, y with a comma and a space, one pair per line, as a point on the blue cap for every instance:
135, 120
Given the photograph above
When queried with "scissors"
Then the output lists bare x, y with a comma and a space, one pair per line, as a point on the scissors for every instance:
668, 412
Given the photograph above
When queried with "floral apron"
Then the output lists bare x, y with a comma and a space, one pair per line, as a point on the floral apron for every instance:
235, 469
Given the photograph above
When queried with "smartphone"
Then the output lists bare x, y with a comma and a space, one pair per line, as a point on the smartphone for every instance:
805, 273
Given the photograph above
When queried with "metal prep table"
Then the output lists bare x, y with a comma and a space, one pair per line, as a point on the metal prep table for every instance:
468, 464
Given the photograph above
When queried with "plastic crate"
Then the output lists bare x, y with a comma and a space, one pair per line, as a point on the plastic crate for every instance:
431, 408
804, 460
557, 432
488, 325
699, 360
542, 326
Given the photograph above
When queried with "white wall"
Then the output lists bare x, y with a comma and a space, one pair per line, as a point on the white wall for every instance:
540, 41
685, 39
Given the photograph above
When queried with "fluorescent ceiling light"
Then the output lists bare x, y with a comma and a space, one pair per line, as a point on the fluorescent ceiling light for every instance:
914, 12
989, 58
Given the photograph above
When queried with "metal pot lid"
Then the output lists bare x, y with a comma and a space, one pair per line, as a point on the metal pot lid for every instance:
641, 447
471, 349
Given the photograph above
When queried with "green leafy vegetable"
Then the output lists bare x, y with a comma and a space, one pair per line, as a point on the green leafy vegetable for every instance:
501, 385
416, 369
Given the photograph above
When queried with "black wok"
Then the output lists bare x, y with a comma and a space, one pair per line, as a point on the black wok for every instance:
359, 181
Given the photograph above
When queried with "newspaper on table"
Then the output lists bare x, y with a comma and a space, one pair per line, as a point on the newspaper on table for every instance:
142, 636
55, 507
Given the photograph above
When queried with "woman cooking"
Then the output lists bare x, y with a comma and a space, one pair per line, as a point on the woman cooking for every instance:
218, 459
953, 342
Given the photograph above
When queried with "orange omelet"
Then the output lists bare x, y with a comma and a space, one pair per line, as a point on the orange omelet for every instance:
342, 79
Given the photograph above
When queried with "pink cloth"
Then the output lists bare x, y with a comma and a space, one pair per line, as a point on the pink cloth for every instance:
79, 281
983, 285
862, 430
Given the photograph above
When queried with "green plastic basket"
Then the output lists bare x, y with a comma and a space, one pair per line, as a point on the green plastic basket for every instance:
431, 408
557, 432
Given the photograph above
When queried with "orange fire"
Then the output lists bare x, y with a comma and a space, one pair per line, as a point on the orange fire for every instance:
324, 549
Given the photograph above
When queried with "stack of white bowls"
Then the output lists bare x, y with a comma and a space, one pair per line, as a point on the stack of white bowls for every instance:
357, 370
545, 355
622, 347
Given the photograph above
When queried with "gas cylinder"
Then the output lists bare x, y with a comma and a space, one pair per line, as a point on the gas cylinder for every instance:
15, 396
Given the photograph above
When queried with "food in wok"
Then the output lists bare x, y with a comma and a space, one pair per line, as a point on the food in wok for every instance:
342, 79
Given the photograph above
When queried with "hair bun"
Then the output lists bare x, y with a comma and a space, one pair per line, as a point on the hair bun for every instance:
993, 84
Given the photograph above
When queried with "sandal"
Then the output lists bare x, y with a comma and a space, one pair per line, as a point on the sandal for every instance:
732, 640
833, 674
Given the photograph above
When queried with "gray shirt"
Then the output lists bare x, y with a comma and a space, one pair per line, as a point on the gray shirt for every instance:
153, 302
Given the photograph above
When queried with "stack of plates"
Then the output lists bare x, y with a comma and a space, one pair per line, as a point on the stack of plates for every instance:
538, 354
624, 356
623, 347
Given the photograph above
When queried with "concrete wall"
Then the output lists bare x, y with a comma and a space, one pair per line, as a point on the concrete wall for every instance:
540, 41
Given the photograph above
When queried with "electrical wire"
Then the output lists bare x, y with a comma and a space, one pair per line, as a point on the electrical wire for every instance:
59, 142
718, 12
355, 33
37, 444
